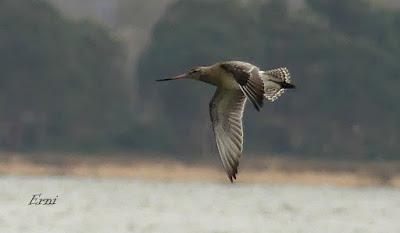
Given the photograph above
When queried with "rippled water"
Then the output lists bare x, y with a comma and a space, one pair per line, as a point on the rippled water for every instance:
118, 205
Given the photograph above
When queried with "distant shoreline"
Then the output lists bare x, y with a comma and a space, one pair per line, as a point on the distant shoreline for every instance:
272, 170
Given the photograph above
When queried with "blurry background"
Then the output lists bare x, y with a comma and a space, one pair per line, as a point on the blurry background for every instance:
78, 98
77, 81
79, 75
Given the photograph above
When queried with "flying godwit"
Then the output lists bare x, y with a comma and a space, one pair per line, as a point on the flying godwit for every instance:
236, 81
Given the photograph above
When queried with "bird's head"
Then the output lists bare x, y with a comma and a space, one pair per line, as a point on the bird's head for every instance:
194, 73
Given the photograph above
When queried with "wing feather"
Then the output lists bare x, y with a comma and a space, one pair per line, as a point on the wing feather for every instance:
248, 77
226, 111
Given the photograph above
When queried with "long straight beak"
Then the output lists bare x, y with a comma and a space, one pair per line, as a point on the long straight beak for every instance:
182, 76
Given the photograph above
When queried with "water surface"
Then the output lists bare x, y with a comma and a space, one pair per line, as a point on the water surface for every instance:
126, 205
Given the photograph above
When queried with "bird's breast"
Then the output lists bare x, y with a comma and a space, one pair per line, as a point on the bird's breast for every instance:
228, 82
221, 79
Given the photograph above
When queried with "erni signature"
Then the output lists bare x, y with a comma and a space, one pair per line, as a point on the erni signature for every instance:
38, 200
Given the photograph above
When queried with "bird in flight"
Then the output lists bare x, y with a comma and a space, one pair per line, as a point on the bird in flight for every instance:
236, 82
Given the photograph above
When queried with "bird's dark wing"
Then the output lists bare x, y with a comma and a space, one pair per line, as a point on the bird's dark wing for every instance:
248, 77
226, 111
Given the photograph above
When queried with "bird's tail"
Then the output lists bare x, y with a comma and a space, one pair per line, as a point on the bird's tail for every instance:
275, 82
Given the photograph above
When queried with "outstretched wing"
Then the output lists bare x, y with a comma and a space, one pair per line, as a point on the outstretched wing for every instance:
248, 77
226, 111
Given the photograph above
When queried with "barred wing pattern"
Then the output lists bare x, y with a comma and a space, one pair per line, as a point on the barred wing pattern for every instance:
226, 111
280, 76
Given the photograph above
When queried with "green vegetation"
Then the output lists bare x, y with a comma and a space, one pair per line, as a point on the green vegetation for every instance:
60, 82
